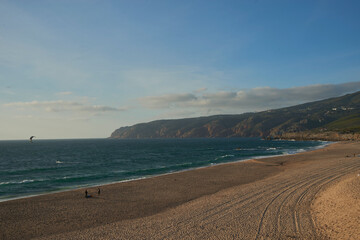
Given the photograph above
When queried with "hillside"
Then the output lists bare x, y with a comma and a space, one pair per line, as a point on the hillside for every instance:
330, 119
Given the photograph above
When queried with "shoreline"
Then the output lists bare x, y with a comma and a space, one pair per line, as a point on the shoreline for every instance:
211, 200
324, 145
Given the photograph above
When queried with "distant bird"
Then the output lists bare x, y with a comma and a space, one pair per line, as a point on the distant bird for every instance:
31, 138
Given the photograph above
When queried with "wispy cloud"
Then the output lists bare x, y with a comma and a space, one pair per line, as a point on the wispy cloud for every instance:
255, 99
169, 100
63, 106
64, 93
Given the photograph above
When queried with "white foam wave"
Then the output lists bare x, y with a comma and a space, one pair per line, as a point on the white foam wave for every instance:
27, 180
18, 182
271, 148
224, 156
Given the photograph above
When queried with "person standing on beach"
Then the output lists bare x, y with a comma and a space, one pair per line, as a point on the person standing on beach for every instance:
99, 191
86, 193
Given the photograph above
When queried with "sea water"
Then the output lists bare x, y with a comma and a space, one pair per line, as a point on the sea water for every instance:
43, 166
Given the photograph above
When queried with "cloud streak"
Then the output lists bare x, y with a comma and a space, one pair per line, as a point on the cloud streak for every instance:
64, 93
169, 100
63, 106
256, 99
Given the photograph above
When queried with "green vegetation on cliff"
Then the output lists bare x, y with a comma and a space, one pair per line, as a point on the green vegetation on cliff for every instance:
339, 115
346, 124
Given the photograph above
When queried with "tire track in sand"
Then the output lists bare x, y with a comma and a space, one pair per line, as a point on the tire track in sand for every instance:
243, 204
310, 186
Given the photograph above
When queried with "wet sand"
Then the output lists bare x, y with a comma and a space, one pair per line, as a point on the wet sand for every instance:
257, 199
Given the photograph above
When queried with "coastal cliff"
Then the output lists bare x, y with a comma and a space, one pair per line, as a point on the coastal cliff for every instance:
332, 119
325, 136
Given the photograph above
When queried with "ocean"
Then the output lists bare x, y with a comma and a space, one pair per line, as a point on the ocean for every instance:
44, 166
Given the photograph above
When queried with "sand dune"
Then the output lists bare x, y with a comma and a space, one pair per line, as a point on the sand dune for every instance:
257, 199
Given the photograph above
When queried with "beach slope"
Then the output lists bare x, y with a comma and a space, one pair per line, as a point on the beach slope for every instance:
257, 199
337, 208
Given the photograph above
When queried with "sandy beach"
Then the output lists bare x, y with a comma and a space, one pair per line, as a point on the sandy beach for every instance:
288, 197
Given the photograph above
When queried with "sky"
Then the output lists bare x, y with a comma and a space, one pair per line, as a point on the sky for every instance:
83, 68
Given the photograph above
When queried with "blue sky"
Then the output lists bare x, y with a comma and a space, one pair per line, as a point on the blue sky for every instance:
82, 68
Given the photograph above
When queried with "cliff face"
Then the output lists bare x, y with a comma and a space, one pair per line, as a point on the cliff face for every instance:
325, 136
332, 119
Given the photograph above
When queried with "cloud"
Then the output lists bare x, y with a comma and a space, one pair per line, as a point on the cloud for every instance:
168, 100
256, 99
200, 90
63, 106
64, 93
